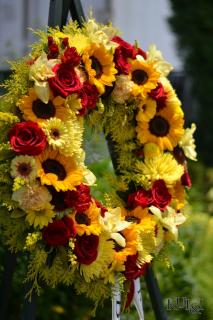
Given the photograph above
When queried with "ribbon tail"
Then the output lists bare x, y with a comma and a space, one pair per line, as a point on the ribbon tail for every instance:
116, 301
137, 299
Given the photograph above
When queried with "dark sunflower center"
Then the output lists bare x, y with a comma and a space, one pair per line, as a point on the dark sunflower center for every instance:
43, 110
82, 218
96, 66
57, 199
55, 134
139, 77
132, 219
53, 166
24, 169
159, 126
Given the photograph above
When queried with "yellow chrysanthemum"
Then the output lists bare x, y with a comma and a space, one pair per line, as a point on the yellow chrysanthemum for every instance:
99, 66
66, 137
40, 218
121, 253
88, 222
104, 258
37, 111
165, 128
144, 76
58, 171
160, 166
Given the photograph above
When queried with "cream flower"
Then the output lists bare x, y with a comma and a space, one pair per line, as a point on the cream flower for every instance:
40, 72
35, 197
169, 219
24, 167
122, 89
112, 222
101, 35
187, 143
155, 56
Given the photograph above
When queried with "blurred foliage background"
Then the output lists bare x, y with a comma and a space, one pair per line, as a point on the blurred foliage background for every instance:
192, 275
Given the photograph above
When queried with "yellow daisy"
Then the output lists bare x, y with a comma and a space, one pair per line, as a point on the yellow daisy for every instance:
160, 166
88, 221
165, 128
58, 171
40, 218
37, 111
99, 66
144, 76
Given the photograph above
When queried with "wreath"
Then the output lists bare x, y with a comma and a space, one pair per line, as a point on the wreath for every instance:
90, 75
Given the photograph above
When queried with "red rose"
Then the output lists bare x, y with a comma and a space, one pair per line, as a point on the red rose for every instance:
179, 155
100, 205
59, 232
128, 50
80, 199
186, 180
71, 57
89, 97
27, 138
132, 270
122, 53
159, 95
161, 195
65, 42
86, 248
141, 198
50, 40
53, 51
65, 81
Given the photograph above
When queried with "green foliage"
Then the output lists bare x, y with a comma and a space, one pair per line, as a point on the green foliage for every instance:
193, 24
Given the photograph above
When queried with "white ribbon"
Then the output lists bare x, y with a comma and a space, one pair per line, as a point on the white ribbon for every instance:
137, 299
116, 301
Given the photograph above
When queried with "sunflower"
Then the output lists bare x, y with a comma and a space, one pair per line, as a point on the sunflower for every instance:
144, 76
131, 236
37, 111
147, 110
104, 258
165, 128
178, 195
88, 222
99, 66
171, 97
160, 166
40, 218
139, 216
58, 171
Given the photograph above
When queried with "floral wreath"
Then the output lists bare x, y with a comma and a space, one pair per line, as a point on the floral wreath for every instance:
91, 75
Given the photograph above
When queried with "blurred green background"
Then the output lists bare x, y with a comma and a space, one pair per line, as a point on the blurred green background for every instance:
192, 275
